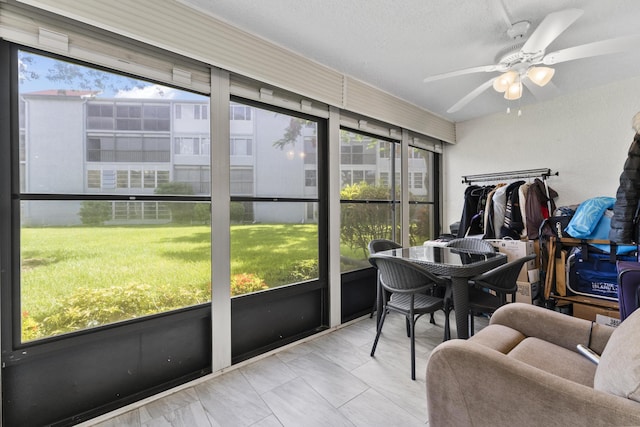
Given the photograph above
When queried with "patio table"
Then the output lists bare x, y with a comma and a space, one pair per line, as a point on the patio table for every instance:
459, 265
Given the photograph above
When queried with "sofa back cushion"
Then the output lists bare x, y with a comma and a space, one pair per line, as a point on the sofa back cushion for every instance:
619, 369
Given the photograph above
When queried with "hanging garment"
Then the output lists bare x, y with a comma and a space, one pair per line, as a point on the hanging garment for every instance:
489, 231
472, 222
522, 196
537, 207
469, 209
625, 209
499, 208
513, 225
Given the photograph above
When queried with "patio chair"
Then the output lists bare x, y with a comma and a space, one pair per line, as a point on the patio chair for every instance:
375, 246
488, 291
478, 245
408, 282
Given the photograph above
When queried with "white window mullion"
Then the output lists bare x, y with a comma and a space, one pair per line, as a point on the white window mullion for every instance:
220, 232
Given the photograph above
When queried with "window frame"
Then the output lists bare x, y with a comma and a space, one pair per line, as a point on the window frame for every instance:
11, 297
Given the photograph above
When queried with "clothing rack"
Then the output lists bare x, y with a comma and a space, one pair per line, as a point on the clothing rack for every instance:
501, 176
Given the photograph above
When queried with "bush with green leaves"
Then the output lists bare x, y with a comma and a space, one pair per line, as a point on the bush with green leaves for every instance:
363, 222
245, 283
86, 308
95, 212
182, 213
303, 270
237, 212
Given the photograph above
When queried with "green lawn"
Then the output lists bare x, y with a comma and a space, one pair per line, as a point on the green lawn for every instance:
145, 269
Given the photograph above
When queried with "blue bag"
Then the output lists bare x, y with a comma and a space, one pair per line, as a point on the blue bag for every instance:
596, 276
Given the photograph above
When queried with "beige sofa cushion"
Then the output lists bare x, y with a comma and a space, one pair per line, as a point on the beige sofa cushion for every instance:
555, 360
619, 369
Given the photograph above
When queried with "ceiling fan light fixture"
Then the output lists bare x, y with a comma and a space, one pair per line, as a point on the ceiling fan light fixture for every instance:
503, 81
540, 75
514, 91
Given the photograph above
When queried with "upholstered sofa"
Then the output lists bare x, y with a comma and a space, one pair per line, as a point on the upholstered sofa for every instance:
524, 370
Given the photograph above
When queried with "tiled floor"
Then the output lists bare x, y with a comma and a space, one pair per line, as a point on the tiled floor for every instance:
328, 381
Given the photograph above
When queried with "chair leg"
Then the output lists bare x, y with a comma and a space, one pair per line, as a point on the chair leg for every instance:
472, 328
408, 324
447, 325
375, 342
413, 349
375, 303
432, 320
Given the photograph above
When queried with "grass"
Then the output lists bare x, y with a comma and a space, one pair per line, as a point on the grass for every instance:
76, 277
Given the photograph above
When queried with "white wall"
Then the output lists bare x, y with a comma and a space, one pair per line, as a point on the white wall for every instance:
585, 137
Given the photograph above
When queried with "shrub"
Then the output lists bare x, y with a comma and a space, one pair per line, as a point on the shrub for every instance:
31, 329
363, 222
87, 308
304, 270
237, 212
95, 213
246, 283
180, 212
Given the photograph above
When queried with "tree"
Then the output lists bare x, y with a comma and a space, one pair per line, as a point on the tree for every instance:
73, 75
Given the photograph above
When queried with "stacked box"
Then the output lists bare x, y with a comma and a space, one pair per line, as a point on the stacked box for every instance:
515, 249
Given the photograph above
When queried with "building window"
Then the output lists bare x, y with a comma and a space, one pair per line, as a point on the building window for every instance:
356, 153
310, 150
384, 178
241, 146
93, 179
241, 181
191, 145
156, 118
128, 148
200, 112
240, 112
417, 180
199, 177
128, 117
100, 116
310, 178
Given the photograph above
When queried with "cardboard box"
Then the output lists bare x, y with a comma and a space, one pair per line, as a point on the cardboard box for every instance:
527, 291
590, 312
606, 320
515, 249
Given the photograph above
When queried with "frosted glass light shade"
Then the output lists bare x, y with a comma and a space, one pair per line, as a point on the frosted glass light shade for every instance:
503, 81
540, 75
514, 91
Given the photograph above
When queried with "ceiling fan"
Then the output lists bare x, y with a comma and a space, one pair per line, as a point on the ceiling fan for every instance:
526, 64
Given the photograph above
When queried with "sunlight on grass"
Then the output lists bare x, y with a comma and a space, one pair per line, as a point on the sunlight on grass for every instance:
78, 277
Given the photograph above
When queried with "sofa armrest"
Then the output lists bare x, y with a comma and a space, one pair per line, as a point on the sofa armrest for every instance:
470, 384
548, 325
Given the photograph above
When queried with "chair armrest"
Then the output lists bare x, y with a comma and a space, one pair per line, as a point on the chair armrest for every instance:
470, 384
548, 325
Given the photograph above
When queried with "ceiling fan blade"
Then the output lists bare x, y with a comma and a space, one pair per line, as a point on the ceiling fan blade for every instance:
481, 69
471, 96
602, 47
543, 93
549, 29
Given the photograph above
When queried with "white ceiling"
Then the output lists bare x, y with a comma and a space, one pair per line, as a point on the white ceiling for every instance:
395, 44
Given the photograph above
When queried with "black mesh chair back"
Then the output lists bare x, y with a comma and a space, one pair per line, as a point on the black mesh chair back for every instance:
379, 245
502, 281
478, 245
407, 283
